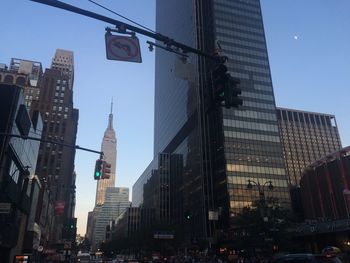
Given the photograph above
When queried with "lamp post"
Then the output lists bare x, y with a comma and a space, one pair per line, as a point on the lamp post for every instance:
261, 189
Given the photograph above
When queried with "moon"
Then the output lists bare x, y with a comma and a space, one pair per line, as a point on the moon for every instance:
296, 37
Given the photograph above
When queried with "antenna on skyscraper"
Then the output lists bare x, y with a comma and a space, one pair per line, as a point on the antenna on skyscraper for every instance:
112, 106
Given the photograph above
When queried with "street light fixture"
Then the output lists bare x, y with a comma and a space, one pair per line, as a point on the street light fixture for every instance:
261, 188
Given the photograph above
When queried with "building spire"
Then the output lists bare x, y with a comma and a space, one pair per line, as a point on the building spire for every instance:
112, 106
110, 118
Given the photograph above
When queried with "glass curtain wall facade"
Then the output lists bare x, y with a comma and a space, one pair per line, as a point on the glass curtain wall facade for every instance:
306, 137
252, 145
221, 149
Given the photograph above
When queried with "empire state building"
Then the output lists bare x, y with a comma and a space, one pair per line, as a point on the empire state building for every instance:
109, 148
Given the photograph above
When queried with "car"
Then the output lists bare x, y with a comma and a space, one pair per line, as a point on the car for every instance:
307, 258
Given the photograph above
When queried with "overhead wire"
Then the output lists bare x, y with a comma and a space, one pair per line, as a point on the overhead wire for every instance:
106, 8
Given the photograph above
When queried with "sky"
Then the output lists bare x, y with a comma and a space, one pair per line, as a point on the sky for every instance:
309, 52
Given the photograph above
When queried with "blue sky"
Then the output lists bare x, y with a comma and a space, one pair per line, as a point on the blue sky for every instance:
309, 52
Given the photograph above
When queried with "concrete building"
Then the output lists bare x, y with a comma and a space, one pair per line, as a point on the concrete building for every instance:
27, 74
306, 137
56, 162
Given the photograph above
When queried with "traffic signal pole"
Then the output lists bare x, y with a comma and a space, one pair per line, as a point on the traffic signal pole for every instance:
122, 27
53, 142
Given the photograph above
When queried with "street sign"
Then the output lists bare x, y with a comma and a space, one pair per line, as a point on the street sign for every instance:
123, 48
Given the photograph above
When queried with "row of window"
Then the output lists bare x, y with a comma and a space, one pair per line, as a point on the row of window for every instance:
63, 88
263, 87
244, 181
252, 136
226, 31
64, 82
227, 41
246, 28
241, 19
249, 60
59, 108
245, 51
258, 105
264, 70
255, 169
255, 115
237, 12
257, 96
252, 159
247, 5
254, 126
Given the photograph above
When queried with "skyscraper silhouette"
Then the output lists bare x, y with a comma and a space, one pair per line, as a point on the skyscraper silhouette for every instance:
109, 148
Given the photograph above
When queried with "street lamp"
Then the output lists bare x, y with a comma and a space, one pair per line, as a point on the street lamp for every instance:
261, 189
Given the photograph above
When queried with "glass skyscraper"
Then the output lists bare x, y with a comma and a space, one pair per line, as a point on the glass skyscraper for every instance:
221, 148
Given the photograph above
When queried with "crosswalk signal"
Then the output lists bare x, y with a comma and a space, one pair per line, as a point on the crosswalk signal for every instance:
232, 92
106, 170
98, 169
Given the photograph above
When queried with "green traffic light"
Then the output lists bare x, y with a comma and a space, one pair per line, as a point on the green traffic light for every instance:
98, 174
71, 226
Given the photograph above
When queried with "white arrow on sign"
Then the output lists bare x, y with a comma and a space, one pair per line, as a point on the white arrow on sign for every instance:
123, 48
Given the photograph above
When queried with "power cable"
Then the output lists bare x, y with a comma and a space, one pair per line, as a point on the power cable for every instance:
122, 16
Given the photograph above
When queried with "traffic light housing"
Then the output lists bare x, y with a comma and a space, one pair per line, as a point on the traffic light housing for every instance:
226, 89
219, 80
106, 170
98, 169
70, 229
232, 93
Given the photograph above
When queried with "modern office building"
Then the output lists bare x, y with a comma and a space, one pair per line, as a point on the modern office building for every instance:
221, 148
116, 202
306, 137
109, 149
132, 221
18, 159
56, 162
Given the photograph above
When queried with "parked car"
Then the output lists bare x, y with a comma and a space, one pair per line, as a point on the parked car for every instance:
307, 258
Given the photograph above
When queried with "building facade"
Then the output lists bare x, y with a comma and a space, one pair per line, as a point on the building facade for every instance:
18, 159
27, 74
116, 202
55, 161
221, 148
325, 199
325, 186
109, 149
306, 137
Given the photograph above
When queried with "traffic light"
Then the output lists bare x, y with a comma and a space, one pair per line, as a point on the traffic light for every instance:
98, 169
231, 93
70, 229
219, 80
106, 170
188, 215
225, 88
